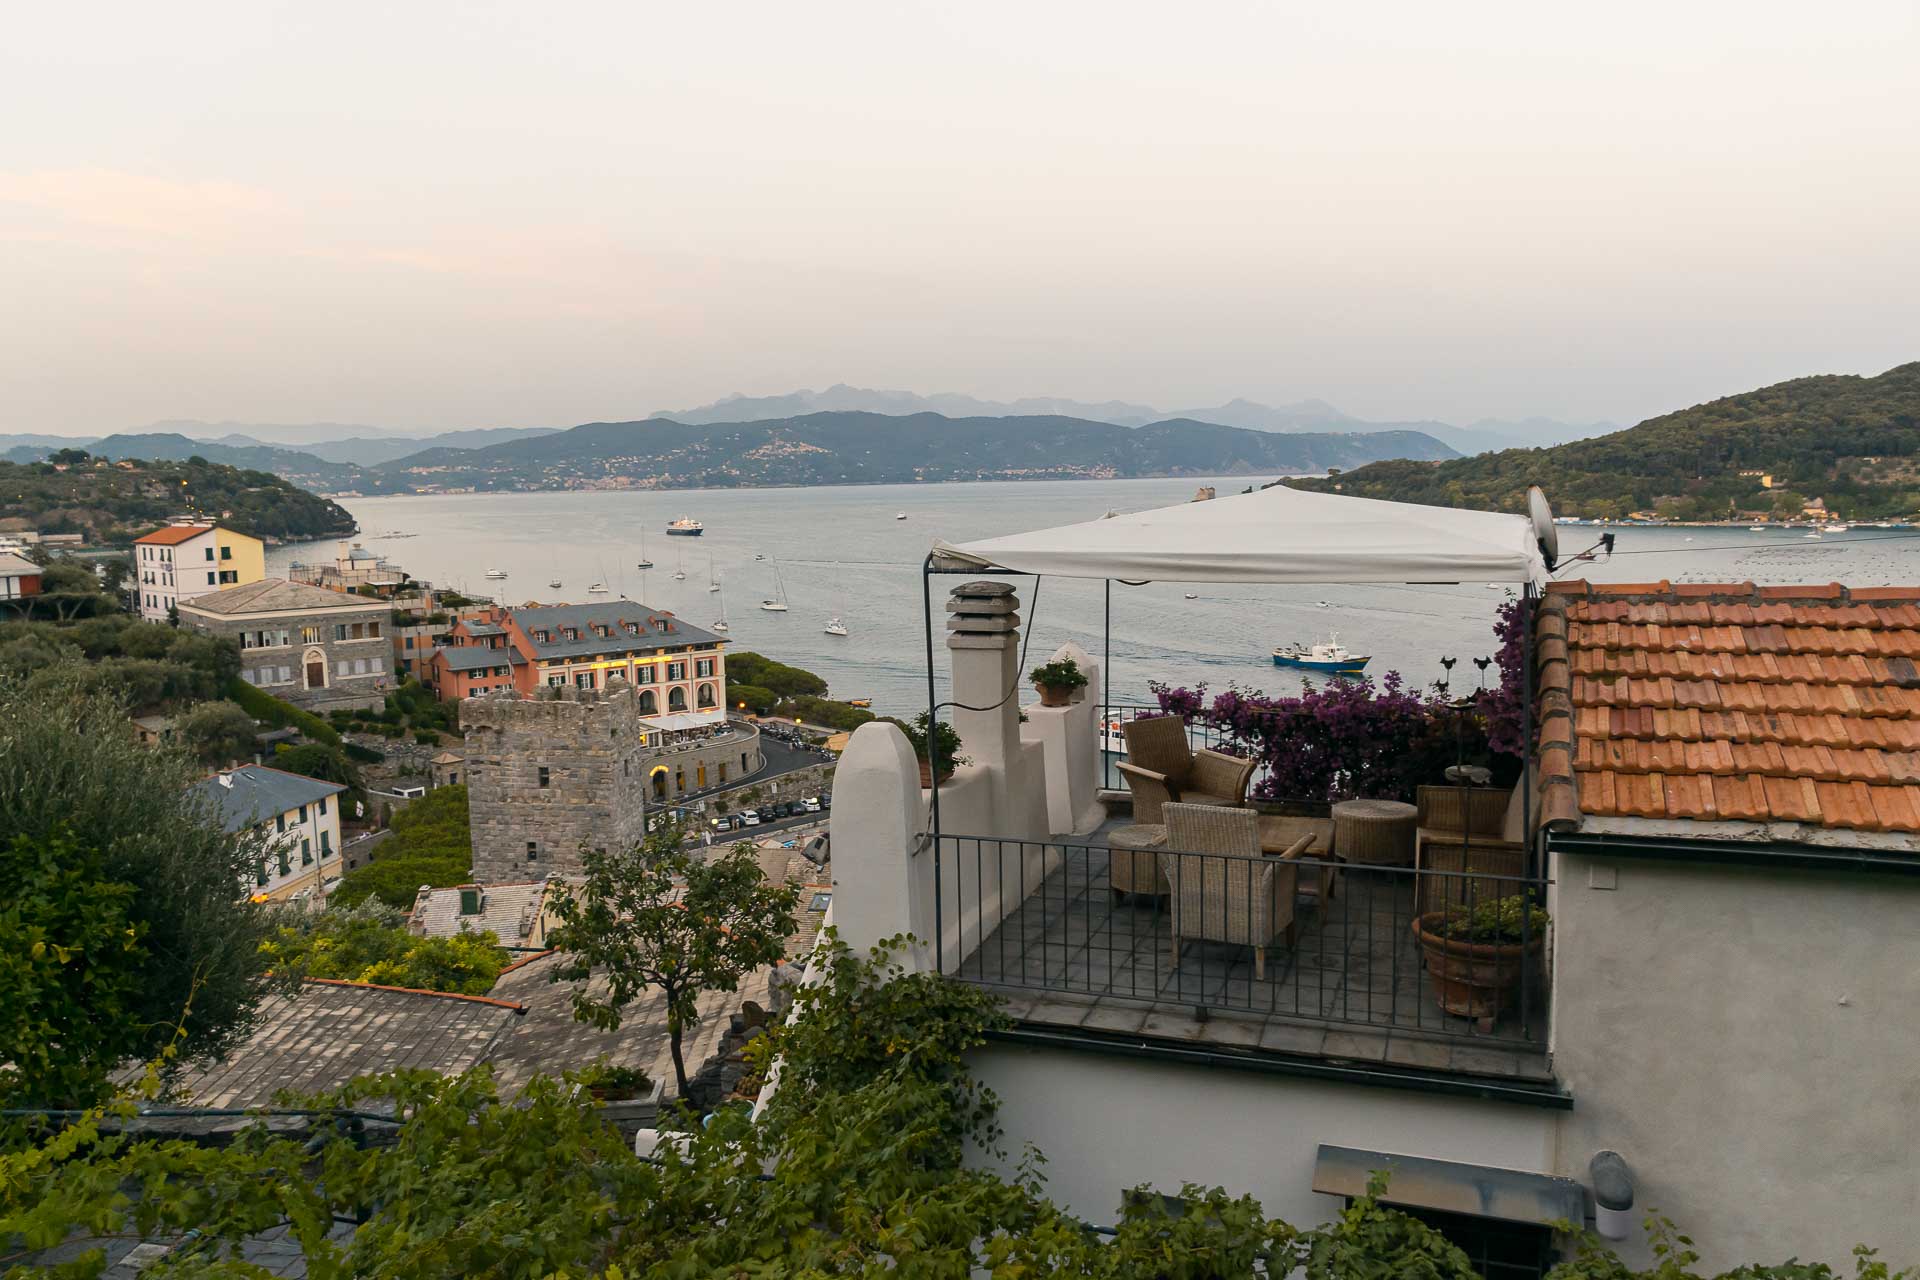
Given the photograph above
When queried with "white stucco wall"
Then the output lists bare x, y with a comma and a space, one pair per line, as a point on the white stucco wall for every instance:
1109, 1123
1748, 1040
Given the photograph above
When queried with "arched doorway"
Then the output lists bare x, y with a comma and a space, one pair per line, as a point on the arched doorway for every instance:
315, 663
677, 700
706, 696
659, 777
649, 703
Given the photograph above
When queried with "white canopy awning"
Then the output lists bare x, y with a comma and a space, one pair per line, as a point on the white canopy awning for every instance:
1272, 535
674, 721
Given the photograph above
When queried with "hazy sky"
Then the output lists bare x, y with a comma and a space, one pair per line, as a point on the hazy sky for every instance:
450, 215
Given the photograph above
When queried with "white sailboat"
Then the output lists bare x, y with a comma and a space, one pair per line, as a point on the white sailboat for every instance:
776, 603
597, 589
720, 624
643, 562
496, 574
835, 627
680, 573
713, 579
899, 515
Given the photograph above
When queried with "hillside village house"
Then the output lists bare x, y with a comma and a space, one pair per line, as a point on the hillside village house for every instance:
298, 819
312, 647
190, 558
1713, 1021
677, 670
19, 577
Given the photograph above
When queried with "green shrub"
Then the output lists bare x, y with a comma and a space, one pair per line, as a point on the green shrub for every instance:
431, 844
262, 705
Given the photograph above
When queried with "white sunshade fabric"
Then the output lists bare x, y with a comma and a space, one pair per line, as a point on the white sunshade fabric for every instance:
1273, 535
676, 720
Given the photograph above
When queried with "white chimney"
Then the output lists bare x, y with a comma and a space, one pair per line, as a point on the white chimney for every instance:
226, 780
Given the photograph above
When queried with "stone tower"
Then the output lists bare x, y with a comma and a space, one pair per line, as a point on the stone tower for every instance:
550, 775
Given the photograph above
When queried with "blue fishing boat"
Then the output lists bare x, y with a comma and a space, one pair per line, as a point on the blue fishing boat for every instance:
1332, 657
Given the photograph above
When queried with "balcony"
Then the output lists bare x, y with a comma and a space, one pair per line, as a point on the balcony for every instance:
1077, 935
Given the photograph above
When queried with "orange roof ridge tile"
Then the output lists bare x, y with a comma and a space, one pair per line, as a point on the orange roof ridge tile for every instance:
419, 991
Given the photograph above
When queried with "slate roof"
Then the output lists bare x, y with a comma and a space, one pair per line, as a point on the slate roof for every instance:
474, 657
330, 1032
1731, 703
259, 793
511, 911
615, 614
276, 595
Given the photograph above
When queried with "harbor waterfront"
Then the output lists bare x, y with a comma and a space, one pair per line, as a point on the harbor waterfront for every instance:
842, 551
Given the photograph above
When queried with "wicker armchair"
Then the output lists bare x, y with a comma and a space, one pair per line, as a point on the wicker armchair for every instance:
1467, 829
1162, 767
1221, 888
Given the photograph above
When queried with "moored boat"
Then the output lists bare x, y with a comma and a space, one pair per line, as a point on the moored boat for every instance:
1331, 657
685, 527
835, 627
496, 574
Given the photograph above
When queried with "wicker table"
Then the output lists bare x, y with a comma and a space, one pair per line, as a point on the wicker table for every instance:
1375, 833
1133, 860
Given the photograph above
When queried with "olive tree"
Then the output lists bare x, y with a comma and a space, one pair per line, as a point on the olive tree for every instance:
71, 770
654, 916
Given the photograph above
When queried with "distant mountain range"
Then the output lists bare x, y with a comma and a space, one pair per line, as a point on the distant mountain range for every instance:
1305, 415
859, 447
1852, 442
841, 434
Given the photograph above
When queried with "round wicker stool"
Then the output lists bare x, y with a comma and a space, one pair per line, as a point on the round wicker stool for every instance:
1133, 866
1375, 833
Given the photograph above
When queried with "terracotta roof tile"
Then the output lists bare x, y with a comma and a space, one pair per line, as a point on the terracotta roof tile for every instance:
1726, 702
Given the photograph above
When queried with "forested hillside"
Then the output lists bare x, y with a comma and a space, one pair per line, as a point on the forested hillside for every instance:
1852, 441
116, 502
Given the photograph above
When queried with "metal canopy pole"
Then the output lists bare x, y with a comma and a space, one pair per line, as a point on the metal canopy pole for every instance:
933, 772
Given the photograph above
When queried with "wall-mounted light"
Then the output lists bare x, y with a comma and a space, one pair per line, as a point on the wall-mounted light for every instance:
1612, 1195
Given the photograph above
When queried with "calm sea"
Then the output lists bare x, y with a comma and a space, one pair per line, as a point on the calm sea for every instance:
840, 551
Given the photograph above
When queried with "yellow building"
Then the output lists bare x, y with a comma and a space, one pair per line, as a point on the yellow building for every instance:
189, 558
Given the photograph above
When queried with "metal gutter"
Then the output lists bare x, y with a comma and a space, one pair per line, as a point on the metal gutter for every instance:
1550, 1096
1734, 853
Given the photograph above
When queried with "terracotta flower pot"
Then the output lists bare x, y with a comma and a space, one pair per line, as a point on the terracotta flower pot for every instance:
1472, 979
1055, 695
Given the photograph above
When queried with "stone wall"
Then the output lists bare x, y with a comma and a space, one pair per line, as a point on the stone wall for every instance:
700, 766
549, 776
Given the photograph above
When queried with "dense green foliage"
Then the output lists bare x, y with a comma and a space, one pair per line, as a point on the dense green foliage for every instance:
780, 679
855, 1168
69, 769
147, 666
431, 844
412, 708
824, 711
1854, 442
657, 918
114, 503
71, 963
262, 705
217, 733
370, 943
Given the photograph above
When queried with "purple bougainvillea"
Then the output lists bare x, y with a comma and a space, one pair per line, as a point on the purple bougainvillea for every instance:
1353, 737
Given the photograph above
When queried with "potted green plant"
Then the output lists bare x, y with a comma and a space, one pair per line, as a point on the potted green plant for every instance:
1476, 957
1057, 680
616, 1084
938, 749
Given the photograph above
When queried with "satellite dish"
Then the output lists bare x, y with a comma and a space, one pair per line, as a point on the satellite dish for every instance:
1545, 532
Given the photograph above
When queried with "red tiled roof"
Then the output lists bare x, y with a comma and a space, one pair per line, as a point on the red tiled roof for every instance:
174, 534
1727, 702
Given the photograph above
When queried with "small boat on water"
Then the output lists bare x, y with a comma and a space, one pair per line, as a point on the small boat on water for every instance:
1191, 595
1331, 656
556, 584
496, 574
899, 515
685, 527
774, 606
1756, 528
1113, 738
860, 702
776, 603
597, 589
1838, 528
680, 575
721, 626
835, 627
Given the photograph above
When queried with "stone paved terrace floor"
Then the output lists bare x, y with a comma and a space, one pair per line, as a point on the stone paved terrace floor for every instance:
1352, 986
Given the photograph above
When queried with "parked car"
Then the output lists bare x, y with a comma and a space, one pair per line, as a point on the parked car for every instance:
721, 823
790, 809
749, 819
767, 813
810, 805
826, 800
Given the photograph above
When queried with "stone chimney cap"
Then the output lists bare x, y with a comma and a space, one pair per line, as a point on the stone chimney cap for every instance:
983, 590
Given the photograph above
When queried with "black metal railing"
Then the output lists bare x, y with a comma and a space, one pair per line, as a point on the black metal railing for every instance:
1300, 939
